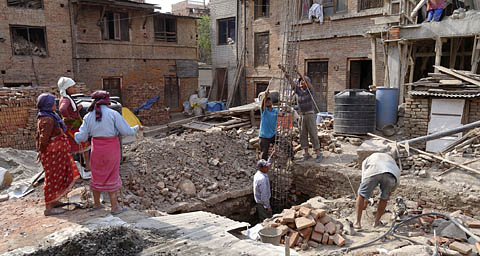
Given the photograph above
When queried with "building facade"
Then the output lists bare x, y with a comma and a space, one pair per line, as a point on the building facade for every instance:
35, 43
193, 8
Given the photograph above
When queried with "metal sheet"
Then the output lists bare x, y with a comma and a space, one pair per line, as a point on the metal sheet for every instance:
445, 114
187, 68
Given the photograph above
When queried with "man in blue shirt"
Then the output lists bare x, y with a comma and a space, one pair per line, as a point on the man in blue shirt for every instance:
268, 125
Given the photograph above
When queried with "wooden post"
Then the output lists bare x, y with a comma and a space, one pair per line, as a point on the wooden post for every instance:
438, 52
475, 54
411, 59
453, 52
373, 43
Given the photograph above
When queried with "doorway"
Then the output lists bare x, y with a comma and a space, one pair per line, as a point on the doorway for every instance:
222, 82
113, 85
171, 92
318, 72
360, 74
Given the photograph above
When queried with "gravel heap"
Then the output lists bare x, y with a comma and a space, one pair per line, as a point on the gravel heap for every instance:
187, 167
108, 241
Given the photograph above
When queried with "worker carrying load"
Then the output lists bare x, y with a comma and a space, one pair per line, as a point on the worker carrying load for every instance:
304, 90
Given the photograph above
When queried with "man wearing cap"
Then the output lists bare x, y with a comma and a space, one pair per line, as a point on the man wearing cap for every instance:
304, 91
261, 189
268, 125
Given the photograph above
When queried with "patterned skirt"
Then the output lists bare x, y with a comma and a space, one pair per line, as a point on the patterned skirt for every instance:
60, 169
72, 128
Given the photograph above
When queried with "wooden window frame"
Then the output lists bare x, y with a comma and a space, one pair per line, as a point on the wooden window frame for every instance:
13, 27
161, 34
227, 20
333, 5
117, 26
255, 53
258, 6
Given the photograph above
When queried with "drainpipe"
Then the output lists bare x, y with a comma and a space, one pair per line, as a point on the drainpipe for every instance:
73, 40
245, 47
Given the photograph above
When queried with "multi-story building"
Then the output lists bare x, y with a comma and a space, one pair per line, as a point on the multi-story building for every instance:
35, 42
193, 8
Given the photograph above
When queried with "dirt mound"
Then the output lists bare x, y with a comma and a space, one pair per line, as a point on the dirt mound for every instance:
188, 167
108, 241
20, 163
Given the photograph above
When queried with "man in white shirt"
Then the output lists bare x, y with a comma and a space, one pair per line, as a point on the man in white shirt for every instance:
261, 189
379, 169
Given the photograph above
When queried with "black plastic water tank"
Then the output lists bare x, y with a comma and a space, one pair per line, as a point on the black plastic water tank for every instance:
354, 112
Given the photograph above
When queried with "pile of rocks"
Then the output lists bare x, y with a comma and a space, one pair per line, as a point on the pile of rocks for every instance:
186, 168
307, 226
417, 164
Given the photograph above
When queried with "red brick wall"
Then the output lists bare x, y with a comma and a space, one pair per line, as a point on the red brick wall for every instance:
21, 69
141, 63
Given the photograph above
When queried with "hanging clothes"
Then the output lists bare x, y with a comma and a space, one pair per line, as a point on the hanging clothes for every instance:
316, 11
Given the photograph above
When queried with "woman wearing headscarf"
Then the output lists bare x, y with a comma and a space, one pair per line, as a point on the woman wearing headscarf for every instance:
104, 125
54, 154
70, 112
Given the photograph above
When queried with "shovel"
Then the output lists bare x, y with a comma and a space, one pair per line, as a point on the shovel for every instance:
23, 190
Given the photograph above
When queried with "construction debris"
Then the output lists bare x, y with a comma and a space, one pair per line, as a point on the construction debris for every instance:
189, 167
460, 83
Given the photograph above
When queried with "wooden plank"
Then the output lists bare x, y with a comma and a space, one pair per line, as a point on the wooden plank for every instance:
457, 75
451, 82
386, 19
438, 52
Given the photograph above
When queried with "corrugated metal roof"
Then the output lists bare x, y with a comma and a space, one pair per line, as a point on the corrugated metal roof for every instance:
203, 233
452, 94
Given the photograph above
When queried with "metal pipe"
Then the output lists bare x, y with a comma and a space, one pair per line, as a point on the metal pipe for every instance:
442, 134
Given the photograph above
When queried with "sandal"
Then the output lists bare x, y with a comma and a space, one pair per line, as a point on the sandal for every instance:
119, 210
357, 228
53, 211
94, 208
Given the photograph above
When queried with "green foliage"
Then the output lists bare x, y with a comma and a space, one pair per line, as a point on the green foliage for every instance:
204, 44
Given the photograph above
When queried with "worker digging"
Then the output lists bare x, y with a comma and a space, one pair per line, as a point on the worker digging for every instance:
240, 128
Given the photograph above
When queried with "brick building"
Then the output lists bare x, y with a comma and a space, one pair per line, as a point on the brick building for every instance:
35, 42
193, 8
126, 48
335, 54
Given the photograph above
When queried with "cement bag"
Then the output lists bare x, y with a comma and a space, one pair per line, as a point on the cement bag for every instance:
202, 93
5, 178
187, 109
274, 95
193, 98
202, 102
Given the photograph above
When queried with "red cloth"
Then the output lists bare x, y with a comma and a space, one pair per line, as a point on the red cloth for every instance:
435, 4
101, 98
60, 169
74, 147
66, 109
105, 164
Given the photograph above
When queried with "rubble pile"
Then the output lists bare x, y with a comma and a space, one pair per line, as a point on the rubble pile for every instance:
307, 227
467, 146
188, 167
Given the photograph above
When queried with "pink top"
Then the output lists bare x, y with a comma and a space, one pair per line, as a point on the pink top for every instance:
435, 4
66, 109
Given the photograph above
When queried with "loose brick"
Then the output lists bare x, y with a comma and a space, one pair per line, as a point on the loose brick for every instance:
339, 240
294, 239
461, 248
473, 224
304, 222
304, 211
305, 233
330, 240
320, 228
289, 216
318, 213
284, 229
325, 219
331, 228
316, 237
313, 244
325, 238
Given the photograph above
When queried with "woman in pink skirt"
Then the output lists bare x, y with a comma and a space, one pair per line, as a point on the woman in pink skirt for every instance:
104, 125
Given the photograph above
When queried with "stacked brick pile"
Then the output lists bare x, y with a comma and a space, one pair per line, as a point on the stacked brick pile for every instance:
416, 117
18, 116
307, 227
155, 115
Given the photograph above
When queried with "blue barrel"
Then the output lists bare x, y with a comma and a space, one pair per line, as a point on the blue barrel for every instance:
387, 106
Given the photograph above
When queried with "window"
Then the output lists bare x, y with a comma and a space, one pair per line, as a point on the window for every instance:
165, 29
262, 8
261, 49
369, 4
28, 41
113, 85
260, 87
32, 4
330, 7
226, 30
115, 26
